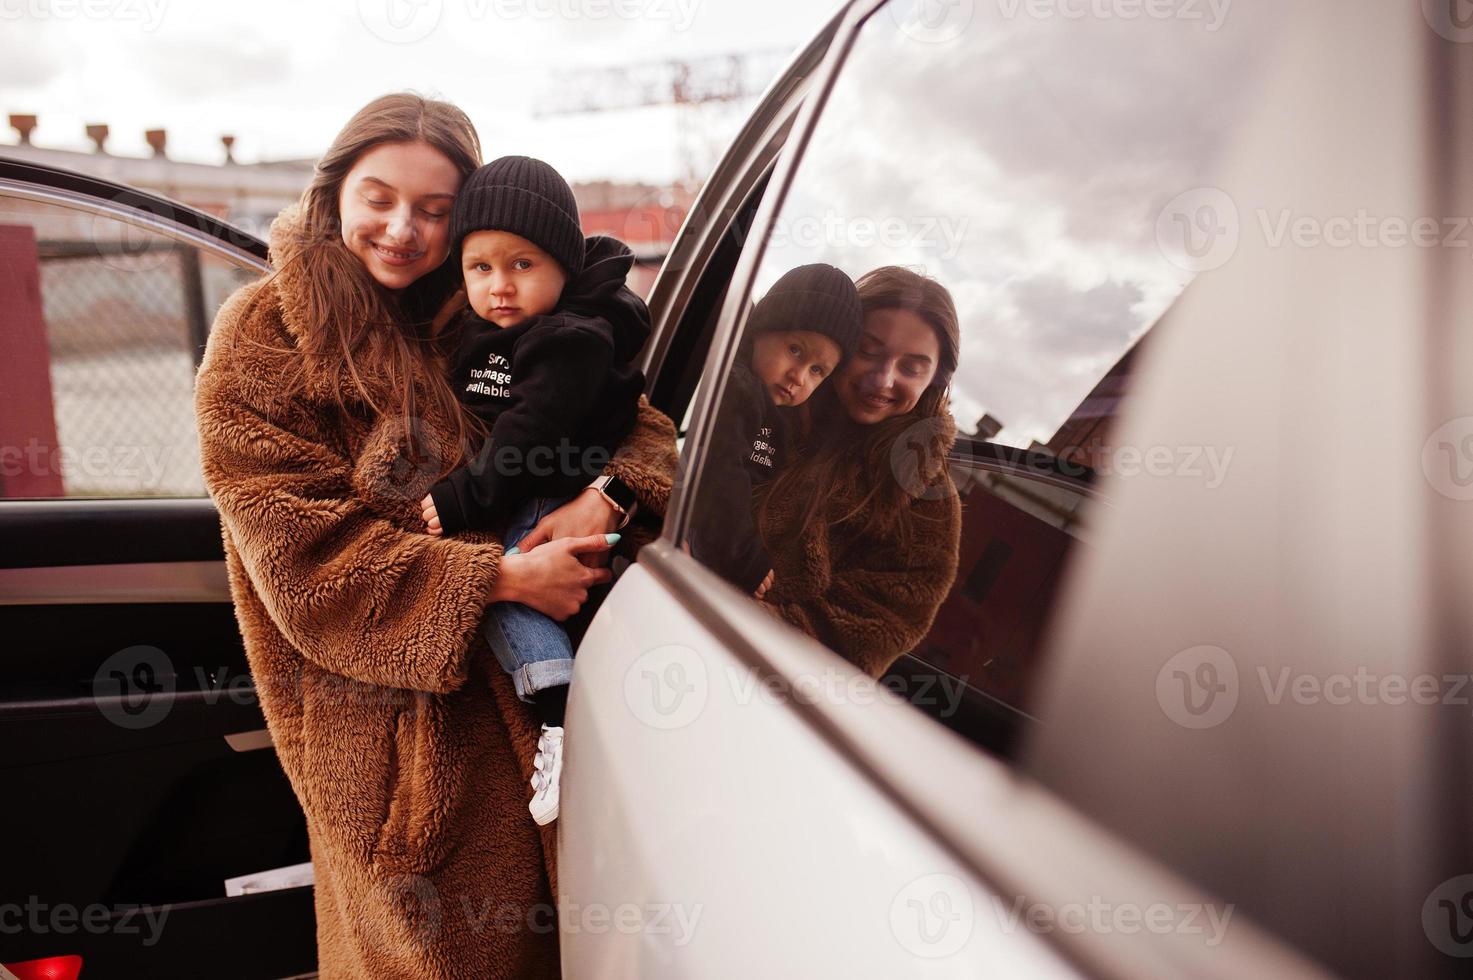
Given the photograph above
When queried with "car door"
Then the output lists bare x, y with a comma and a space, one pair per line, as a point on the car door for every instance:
1164, 404
138, 773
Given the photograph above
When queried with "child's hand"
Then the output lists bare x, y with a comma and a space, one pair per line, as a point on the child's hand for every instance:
764, 587
432, 519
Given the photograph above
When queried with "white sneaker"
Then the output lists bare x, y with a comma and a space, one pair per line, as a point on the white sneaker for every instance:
549, 772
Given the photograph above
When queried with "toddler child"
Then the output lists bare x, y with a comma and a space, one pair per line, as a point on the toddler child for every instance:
543, 357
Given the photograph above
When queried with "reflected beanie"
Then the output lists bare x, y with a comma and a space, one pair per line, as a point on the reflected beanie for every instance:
814, 297
525, 197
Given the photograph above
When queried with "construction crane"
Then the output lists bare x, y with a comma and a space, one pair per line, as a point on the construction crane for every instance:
693, 86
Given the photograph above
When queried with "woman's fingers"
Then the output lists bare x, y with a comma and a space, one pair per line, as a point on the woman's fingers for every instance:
591, 543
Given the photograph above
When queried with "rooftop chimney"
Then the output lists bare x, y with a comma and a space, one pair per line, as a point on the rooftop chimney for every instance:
156, 139
97, 132
229, 142
988, 426
23, 125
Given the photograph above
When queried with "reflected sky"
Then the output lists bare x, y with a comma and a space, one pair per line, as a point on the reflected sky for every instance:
1023, 164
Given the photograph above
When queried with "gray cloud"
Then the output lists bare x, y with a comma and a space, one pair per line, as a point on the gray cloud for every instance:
1051, 145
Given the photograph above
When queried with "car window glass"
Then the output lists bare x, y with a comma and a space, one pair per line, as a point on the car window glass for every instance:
1018, 198
104, 326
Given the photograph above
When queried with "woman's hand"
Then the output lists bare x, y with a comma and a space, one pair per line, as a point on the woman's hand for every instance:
587, 513
555, 578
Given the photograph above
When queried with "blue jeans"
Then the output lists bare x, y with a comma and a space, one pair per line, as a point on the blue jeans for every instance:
531, 647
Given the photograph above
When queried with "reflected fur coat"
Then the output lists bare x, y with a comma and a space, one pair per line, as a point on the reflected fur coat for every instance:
870, 598
402, 738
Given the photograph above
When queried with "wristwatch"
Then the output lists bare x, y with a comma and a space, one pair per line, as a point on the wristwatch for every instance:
618, 494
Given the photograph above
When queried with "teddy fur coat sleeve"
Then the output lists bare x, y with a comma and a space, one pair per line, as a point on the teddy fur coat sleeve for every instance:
353, 593
866, 601
869, 598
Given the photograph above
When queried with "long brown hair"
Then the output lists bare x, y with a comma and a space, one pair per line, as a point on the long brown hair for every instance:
359, 336
840, 454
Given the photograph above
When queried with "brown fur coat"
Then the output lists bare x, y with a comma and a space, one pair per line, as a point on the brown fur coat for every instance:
402, 737
868, 598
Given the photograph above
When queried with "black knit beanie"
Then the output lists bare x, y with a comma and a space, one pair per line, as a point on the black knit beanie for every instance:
525, 197
814, 297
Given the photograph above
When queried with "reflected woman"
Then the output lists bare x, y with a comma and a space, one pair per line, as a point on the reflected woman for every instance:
864, 527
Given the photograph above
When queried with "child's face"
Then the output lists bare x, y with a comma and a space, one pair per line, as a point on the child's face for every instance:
791, 364
508, 280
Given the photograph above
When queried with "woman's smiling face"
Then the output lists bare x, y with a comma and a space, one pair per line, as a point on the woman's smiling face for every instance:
395, 210
897, 358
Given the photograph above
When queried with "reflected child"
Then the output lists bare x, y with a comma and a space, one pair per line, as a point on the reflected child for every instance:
796, 336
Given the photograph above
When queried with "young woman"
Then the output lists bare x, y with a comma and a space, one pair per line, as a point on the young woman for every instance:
325, 414
864, 529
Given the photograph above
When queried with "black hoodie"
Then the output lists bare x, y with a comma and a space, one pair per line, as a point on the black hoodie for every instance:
558, 392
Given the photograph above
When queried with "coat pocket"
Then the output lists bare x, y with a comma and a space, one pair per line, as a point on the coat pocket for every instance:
421, 790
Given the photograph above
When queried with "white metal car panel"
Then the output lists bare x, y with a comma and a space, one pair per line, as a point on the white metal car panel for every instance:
706, 830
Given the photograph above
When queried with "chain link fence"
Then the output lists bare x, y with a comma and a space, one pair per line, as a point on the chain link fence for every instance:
126, 324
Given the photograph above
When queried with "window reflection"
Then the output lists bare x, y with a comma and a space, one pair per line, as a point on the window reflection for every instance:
995, 194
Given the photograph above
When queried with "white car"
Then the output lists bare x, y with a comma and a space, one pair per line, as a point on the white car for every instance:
1210, 631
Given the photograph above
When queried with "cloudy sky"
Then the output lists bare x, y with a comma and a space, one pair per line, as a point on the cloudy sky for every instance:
1025, 163
283, 75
